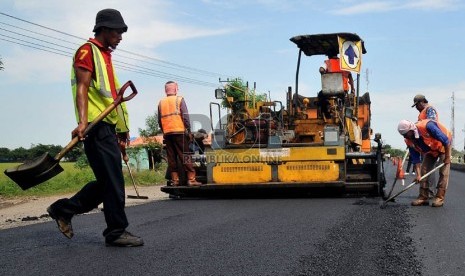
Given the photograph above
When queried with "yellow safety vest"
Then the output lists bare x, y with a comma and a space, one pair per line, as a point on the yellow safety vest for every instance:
170, 115
100, 96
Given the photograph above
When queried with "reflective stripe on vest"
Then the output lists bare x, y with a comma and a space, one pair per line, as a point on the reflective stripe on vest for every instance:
435, 146
170, 114
99, 94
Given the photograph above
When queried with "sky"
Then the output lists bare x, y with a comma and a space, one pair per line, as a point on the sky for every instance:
413, 46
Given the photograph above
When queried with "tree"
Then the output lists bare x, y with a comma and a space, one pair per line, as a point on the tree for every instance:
74, 154
5, 155
456, 152
152, 147
81, 162
19, 154
38, 150
239, 91
152, 127
393, 152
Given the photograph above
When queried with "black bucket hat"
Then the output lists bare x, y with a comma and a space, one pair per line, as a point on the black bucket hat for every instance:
110, 18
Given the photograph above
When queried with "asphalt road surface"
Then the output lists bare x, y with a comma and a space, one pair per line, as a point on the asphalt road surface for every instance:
284, 236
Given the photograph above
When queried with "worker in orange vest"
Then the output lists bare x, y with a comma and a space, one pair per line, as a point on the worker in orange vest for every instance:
433, 140
426, 111
173, 119
333, 65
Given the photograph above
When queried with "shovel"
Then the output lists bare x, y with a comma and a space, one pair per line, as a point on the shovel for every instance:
125, 159
395, 179
43, 168
410, 186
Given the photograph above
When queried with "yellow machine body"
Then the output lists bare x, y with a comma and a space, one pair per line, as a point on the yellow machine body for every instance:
319, 141
283, 165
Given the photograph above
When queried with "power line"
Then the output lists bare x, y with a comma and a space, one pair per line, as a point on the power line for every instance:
38, 25
37, 33
30, 46
117, 64
184, 68
206, 73
41, 40
198, 71
123, 65
132, 53
179, 78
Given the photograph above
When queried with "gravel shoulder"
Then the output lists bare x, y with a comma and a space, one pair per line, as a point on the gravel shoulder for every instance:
23, 211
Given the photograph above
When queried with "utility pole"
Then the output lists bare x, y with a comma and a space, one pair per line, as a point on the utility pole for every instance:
452, 121
368, 80
463, 130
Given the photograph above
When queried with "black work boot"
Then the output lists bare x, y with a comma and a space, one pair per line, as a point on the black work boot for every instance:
64, 224
126, 240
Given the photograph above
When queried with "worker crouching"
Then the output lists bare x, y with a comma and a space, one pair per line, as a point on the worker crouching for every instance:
432, 140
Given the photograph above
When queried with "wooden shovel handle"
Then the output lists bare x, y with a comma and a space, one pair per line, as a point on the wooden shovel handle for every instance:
119, 99
413, 183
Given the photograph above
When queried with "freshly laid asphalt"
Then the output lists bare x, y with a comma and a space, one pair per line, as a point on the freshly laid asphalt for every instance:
349, 235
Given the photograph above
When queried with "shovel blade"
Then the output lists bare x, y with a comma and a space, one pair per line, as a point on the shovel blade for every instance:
33, 173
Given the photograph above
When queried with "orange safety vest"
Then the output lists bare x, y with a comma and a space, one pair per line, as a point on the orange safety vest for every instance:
422, 115
333, 65
435, 146
170, 114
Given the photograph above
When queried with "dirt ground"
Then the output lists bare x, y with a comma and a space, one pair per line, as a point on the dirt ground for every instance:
24, 211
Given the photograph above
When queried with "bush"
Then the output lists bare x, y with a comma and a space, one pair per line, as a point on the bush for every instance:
81, 162
72, 180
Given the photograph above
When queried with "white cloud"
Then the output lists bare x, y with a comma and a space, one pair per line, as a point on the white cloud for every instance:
149, 28
386, 6
432, 4
273, 5
156, 33
366, 8
24, 64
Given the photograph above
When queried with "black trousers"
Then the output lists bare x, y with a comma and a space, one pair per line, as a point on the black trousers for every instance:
104, 155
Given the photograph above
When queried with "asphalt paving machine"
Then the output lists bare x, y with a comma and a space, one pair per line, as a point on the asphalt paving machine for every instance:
308, 144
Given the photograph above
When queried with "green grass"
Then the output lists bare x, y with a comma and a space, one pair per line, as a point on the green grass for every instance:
72, 180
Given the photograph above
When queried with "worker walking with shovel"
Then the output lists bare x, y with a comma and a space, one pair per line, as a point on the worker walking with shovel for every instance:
95, 87
433, 140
